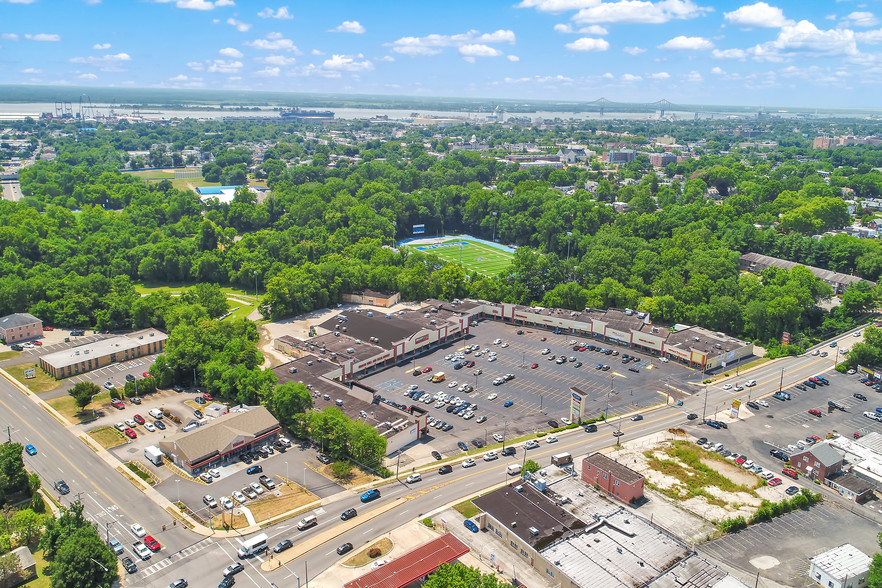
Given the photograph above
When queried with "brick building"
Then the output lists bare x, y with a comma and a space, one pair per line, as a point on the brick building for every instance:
818, 461
98, 354
615, 479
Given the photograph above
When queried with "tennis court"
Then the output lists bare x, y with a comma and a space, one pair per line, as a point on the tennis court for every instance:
476, 257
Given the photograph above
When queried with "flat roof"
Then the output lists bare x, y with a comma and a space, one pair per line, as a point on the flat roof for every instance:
103, 348
620, 550
706, 342
413, 565
821, 273
361, 326
622, 472
842, 561
697, 572
528, 508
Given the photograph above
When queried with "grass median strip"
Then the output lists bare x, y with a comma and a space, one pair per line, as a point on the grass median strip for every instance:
383, 546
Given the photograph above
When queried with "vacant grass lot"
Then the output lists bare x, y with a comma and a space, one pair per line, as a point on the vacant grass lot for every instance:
476, 257
268, 505
9, 354
42, 382
361, 558
67, 407
108, 437
244, 303
467, 509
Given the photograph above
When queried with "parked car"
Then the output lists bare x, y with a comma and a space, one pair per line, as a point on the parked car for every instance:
470, 525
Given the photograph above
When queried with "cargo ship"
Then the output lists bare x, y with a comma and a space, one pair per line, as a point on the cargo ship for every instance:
309, 114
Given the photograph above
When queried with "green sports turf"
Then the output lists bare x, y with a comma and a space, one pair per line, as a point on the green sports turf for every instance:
476, 257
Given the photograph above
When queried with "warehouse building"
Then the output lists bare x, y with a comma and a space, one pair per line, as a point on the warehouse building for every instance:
98, 354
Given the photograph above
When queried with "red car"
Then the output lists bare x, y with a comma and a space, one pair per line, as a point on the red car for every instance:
582, 348
816, 438
208, 397
775, 482
814, 412
534, 366
138, 419
117, 403
152, 544
790, 473
427, 369
146, 374
48, 328
741, 459
131, 434
37, 343
544, 339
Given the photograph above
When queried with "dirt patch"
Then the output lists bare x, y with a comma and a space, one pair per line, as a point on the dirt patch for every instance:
358, 477
361, 558
732, 471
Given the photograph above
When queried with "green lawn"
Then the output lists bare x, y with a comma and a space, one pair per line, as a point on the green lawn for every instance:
234, 296
42, 382
9, 354
42, 580
67, 407
476, 257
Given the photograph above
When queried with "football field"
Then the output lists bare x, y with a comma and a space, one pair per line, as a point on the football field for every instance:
476, 257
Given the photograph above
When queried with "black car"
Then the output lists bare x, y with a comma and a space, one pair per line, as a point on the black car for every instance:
445, 469
323, 458
800, 387
477, 443
701, 441
246, 458
199, 400
462, 446
129, 565
62, 487
345, 548
791, 490
810, 384
445, 427
509, 451
280, 447
17, 347
77, 333
283, 545
778, 454
451, 408
436, 455
590, 428
198, 414
227, 582
753, 405
348, 514
178, 388
691, 416
633, 369
130, 378
860, 396
159, 425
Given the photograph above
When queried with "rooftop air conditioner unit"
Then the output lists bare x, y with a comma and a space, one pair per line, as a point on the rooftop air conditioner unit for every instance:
151, 334
85, 352
534, 531
140, 337
336, 333
344, 329
76, 352
358, 341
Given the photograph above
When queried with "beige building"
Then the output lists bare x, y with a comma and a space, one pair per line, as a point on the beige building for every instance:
85, 358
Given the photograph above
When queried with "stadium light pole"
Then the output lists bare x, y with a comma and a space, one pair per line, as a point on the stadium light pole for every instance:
494, 226
569, 235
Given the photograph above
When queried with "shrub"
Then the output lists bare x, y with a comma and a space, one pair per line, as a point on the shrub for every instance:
531, 466
374, 552
341, 469
383, 472
542, 434
733, 525
428, 522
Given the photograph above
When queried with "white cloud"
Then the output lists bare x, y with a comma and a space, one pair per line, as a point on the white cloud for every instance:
87, 76
44, 37
347, 63
92, 1
230, 52
683, 43
220, 3
588, 44
224, 66
729, 53
631, 78
20, 1
804, 37
196, 65
639, 11
278, 60
9, 36
634, 50
759, 15
718, 71
662, 75
479, 50
101, 46
870, 37
387, 58
589, 30
31, 70
545, 80
242, 27
273, 42
179, 78
349, 26
694, 76
268, 72
281, 14
513, 58
862, 19
556, 6
102, 60
434, 44
198, 4
608, 76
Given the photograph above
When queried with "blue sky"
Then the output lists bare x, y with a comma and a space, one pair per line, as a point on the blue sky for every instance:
807, 53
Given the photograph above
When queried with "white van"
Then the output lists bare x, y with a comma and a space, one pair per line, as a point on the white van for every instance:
307, 522
254, 545
155, 413
750, 383
513, 469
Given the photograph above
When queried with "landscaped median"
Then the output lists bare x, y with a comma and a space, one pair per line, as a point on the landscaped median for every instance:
276, 561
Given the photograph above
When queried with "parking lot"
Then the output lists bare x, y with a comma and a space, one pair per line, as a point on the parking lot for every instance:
539, 395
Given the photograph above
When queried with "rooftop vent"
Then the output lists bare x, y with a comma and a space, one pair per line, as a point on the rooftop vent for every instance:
533, 531
358, 341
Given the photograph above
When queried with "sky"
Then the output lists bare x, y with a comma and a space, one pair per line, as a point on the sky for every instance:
811, 53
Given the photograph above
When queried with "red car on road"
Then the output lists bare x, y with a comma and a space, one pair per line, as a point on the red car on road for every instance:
152, 544
544, 339
534, 366
427, 369
138, 419
131, 434
790, 473
814, 412
117, 403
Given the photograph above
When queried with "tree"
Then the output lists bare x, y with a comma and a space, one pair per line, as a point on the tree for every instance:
288, 401
874, 580
84, 561
57, 530
460, 576
531, 466
13, 477
27, 524
10, 568
83, 392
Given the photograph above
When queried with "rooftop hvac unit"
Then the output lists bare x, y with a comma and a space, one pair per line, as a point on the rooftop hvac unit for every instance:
151, 334
358, 341
336, 333
140, 337
350, 350
344, 329
534, 531
76, 352
85, 352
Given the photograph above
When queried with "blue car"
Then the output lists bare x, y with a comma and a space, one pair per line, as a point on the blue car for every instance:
31, 450
598, 366
508, 403
471, 526
370, 495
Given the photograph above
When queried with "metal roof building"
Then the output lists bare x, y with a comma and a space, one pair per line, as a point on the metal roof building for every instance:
413, 565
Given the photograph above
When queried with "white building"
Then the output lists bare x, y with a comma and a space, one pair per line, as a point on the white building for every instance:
843, 567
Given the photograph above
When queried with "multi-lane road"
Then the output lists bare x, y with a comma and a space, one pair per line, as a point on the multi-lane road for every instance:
114, 503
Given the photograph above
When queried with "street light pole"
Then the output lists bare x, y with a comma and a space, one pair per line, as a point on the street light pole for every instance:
704, 410
287, 477
504, 432
178, 486
99, 564
304, 478
781, 383
107, 530
255, 285
569, 234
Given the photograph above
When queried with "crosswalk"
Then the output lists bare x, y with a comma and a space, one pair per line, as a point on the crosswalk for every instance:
160, 565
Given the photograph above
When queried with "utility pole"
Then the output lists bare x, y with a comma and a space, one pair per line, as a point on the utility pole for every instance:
569, 234
704, 410
781, 383
107, 530
9, 433
504, 432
